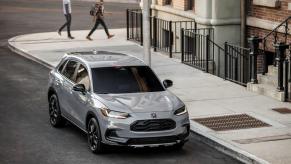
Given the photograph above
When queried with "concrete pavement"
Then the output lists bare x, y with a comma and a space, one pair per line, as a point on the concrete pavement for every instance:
205, 95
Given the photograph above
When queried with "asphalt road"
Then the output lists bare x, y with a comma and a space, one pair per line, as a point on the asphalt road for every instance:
25, 133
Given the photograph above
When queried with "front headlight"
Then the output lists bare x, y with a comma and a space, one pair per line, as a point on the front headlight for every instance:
180, 111
114, 114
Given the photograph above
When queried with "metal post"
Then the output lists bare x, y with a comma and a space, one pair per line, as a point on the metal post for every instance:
286, 88
155, 28
170, 39
290, 66
127, 24
280, 49
182, 44
146, 32
225, 60
141, 29
207, 52
254, 46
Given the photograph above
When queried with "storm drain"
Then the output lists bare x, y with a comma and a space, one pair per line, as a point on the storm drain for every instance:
231, 122
282, 110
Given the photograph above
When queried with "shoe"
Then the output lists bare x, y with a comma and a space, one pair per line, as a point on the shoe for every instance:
60, 33
70, 37
88, 37
110, 36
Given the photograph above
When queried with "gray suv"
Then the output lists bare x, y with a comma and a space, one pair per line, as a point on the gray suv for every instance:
117, 100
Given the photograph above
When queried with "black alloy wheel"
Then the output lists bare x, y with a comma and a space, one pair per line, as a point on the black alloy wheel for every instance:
94, 136
56, 118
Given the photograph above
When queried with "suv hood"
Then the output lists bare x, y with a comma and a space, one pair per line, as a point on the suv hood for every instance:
141, 102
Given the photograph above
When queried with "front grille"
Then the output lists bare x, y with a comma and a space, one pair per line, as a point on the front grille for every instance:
153, 125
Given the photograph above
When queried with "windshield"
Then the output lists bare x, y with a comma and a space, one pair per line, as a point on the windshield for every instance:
130, 79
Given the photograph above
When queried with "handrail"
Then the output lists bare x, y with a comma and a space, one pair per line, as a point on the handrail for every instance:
278, 26
275, 31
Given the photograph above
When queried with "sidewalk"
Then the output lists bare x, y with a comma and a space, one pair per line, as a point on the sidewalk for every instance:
205, 95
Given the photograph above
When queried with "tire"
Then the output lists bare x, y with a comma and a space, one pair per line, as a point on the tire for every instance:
56, 118
94, 137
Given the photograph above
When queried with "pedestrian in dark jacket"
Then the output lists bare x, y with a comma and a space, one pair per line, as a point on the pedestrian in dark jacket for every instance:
97, 11
67, 12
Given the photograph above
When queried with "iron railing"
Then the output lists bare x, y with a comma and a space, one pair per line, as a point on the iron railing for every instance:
237, 63
280, 35
195, 51
200, 51
134, 25
165, 35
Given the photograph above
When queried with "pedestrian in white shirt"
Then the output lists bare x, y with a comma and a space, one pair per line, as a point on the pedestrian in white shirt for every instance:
67, 9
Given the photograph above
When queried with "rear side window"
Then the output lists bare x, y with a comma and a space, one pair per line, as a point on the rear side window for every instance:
69, 70
62, 66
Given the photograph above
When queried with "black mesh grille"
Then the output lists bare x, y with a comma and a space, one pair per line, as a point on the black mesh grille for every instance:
153, 125
153, 140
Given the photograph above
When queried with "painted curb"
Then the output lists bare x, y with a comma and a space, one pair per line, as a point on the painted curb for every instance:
204, 137
28, 56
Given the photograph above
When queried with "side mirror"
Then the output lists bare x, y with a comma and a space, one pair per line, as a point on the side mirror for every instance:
79, 88
168, 83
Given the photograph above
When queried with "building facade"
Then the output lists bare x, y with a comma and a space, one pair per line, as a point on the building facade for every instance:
262, 17
221, 15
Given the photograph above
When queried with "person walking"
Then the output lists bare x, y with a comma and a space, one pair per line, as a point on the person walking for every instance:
97, 11
67, 9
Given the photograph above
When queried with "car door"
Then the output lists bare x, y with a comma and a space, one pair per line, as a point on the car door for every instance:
58, 82
80, 99
69, 74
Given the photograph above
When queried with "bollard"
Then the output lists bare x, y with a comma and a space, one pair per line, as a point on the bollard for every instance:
286, 88
280, 49
254, 46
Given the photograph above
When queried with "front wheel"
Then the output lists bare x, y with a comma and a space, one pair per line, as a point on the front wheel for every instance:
94, 137
56, 118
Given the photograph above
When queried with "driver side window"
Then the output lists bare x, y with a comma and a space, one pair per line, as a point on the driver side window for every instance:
83, 77
69, 70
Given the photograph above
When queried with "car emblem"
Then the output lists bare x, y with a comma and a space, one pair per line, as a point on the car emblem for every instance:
154, 115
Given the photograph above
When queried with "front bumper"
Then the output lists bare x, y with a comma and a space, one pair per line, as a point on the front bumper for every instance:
118, 132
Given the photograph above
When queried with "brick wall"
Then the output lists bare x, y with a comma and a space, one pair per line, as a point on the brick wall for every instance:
180, 4
268, 13
271, 14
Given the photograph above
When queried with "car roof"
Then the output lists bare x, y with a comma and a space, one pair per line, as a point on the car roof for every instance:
96, 59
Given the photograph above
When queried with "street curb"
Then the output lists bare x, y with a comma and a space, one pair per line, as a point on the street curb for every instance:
204, 137
225, 147
27, 55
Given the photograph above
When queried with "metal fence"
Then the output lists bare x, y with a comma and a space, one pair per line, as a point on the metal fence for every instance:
134, 25
165, 35
195, 48
237, 64
229, 62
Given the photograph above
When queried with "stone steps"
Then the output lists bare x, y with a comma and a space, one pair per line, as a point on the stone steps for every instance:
267, 85
267, 90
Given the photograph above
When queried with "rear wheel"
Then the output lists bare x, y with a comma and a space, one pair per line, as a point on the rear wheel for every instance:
94, 136
56, 118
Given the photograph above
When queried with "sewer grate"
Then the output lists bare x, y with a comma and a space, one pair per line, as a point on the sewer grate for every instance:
282, 110
231, 122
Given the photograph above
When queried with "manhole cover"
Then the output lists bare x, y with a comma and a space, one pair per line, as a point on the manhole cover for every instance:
282, 110
231, 122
